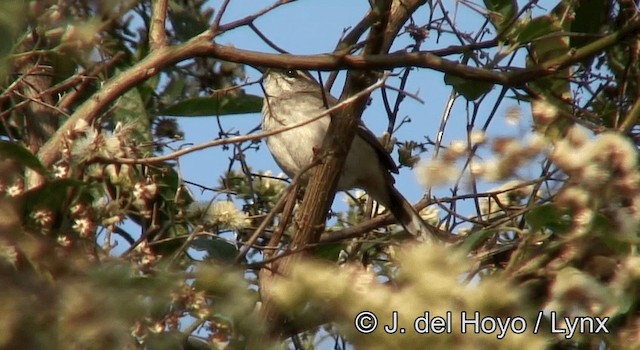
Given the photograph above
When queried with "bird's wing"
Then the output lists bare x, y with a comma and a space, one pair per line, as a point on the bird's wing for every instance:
371, 139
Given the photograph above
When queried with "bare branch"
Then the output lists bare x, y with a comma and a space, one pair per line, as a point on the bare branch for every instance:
249, 19
221, 11
157, 32
202, 45
176, 154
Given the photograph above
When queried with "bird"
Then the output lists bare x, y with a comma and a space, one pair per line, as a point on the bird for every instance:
292, 96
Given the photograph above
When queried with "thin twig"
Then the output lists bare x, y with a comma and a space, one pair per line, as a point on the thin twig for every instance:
221, 11
244, 138
249, 19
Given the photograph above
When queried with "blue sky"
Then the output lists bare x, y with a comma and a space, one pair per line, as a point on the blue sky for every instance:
313, 27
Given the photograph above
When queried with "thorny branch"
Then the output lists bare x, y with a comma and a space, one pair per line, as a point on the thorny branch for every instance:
202, 45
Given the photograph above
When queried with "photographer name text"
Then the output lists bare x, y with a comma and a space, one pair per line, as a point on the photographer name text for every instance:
476, 323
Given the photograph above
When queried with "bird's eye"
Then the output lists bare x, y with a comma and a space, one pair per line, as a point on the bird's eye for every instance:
290, 73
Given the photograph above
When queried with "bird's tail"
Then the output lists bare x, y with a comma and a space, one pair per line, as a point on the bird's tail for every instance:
409, 218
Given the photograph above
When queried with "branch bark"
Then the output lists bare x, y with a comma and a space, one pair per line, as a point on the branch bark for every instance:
203, 45
157, 32
337, 142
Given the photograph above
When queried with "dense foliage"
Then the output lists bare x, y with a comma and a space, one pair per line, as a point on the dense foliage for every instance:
103, 244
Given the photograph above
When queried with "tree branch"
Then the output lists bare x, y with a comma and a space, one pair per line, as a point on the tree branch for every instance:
157, 32
249, 19
202, 45
245, 138
337, 142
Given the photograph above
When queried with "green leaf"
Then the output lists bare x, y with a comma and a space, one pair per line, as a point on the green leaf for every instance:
64, 66
10, 150
475, 239
220, 105
130, 109
539, 217
501, 11
52, 194
470, 89
217, 249
174, 89
535, 28
148, 89
168, 181
12, 19
590, 18
329, 252
185, 22
547, 216
553, 89
550, 47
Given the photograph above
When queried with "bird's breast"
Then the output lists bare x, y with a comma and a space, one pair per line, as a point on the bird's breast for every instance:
293, 149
